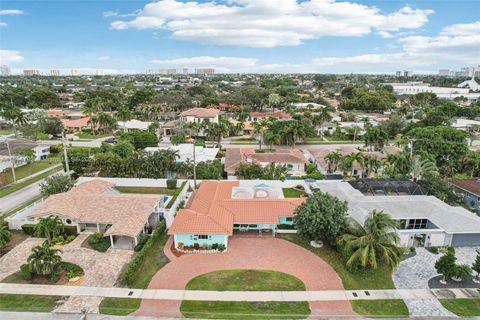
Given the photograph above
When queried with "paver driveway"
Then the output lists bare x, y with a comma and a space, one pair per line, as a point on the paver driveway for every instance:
247, 253
12, 260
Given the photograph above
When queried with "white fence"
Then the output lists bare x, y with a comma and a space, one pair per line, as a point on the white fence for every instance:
169, 214
20, 218
132, 182
286, 231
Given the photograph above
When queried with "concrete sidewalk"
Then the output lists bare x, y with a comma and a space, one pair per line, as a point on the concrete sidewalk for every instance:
200, 295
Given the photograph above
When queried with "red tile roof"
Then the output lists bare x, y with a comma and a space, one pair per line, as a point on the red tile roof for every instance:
213, 211
77, 123
200, 113
470, 185
282, 115
235, 156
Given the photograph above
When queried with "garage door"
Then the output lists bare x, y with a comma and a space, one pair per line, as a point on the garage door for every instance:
466, 240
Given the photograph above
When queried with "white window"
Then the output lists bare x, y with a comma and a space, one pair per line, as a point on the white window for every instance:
200, 237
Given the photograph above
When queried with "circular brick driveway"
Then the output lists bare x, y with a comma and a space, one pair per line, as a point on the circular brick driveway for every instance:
266, 253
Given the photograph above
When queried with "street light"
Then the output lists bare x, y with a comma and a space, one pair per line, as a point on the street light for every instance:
12, 162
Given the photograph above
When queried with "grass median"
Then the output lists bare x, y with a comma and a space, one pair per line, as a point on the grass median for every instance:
8, 190
31, 303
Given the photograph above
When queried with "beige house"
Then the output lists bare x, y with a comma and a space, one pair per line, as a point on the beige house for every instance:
199, 115
98, 207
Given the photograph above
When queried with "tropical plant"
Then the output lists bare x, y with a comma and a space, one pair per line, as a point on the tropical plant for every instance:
375, 138
333, 160
420, 167
295, 131
43, 260
356, 158
373, 243
49, 227
56, 184
5, 234
462, 272
445, 265
476, 266
259, 128
124, 114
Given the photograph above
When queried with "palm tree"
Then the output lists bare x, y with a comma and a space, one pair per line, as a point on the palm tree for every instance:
319, 119
372, 164
421, 167
259, 128
93, 122
106, 122
92, 106
272, 138
373, 243
472, 162
333, 160
14, 114
43, 259
295, 131
124, 114
5, 234
346, 165
49, 227
356, 158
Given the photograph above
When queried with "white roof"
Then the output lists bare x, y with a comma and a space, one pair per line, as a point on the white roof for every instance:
134, 124
463, 123
185, 151
447, 218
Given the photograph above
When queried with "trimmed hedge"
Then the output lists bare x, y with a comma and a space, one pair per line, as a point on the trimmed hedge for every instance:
67, 230
132, 267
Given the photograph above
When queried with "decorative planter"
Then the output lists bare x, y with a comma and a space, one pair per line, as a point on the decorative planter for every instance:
443, 282
74, 279
456, 279
316, 244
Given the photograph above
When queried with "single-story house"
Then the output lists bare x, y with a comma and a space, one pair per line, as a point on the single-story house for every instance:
218, 209
293, 159
466, 124
254, 116
168, 126
424, 221
470, 190
133, 125
77, 124
185, 152
97, 206
199, 115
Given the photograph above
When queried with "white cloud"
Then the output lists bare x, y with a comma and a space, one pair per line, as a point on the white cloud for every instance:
10, 12
465, 29
267, 23
10, 56
3, 25
104, 58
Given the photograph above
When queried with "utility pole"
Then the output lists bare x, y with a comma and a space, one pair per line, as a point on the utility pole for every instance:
194, 169
12, 161
67, 167
412, 142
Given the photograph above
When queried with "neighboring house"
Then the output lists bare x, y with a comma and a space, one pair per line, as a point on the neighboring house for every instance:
344, 126
424, 221
168, 126
185, 152
470, 190
307, 105
218, 209
41, 152
77, 124
254, 116
466, 124
199, 115
247, 128
293, 159
133, 125
96, 205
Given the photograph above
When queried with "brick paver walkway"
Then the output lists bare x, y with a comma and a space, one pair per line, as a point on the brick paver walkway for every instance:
248, 253
11, 261
101, 270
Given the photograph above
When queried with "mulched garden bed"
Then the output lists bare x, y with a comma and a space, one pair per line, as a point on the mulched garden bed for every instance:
16, 238
434, 283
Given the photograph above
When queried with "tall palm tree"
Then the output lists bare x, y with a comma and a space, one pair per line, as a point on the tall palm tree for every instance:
43, 259
49, 227
372, 164
93, 122
259, 128
15, 115
472, 162
356, 158
106, 122
420, 167
373, 243
5, 234
271, 138
92, 106
124, 114
295, 131
333, 160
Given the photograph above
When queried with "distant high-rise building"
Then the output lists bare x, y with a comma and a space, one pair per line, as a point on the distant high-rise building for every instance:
5, 70
204, 71
407, 73
185, 71
167, 71
31, 72
398, 74
148, 72
73, 72
55, 72
100, 72
445, 72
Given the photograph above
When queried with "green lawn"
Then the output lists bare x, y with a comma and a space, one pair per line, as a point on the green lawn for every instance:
28, 169
147, 190
462, 307
292, 193
380, 308
370, 279
85, 135
246, 280
119, 306
6, 131
154, 261
21, 302
245, 310
18, 186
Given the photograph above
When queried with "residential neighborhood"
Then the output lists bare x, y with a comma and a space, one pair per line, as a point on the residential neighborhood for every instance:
180, 159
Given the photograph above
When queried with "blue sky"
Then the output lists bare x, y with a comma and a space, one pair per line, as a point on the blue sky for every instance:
240, 35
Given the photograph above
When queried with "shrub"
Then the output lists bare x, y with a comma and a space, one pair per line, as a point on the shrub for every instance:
215, 246
68, 239
462, 271
129, 273
346, 253
412, 249
73, 274
221, 247
70, 231
56, 148
98, 242
171, 183
71, 267
26, 273
96, 237
286, 226
196, 246
58, 239
29, 229
434, 250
